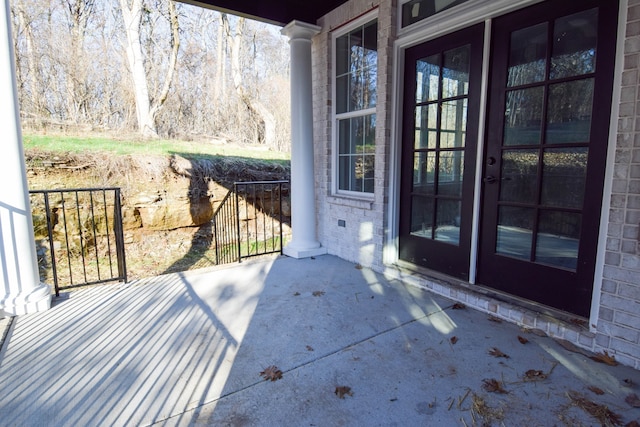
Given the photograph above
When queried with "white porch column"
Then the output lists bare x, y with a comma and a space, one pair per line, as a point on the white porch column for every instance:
21, 290
303, 198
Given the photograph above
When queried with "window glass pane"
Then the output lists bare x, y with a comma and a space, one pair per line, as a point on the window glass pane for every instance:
344, 136
523, 117
448, 221
422, 216
563, 177
569, 112
417, 10
342, 89
427, 78
455, 72
518, 179
574, 44
347, 169
426, 119
528, 56
424, 172
558, 239
342, 55
450, 173
515, 233
453, 123
365, 170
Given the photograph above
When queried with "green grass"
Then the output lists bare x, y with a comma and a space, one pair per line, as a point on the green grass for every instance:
79, 144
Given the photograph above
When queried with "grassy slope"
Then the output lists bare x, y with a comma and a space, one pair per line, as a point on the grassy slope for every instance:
79, 144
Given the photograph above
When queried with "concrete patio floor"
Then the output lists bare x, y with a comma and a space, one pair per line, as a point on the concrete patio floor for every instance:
188, 349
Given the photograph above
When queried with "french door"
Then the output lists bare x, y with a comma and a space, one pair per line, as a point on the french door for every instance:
548, 126
441, 106
548, 112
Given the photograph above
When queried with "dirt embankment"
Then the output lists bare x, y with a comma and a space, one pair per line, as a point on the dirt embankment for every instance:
166, 201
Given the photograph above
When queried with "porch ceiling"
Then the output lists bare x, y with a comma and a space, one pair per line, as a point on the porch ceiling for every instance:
279, 12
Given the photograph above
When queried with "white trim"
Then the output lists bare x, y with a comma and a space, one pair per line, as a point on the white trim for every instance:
334, 190
477, 190
598, 274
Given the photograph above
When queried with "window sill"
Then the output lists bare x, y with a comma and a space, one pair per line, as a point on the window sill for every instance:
351, 202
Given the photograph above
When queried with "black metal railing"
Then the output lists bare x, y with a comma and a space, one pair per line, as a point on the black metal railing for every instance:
79, 236
249, 221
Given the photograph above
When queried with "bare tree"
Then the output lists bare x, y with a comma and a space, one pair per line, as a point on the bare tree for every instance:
147, 108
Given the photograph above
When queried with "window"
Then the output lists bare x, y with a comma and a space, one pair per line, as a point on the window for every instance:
416, 10
355, 107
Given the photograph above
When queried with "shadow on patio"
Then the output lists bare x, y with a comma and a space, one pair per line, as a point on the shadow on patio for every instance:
185, 349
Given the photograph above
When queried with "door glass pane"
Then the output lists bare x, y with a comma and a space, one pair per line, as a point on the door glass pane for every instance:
453, 123
424, 172
519, 176
427, 78
569, 112
523, 116
515, 231
455, 72
527, 58
422, 216
574, 44
558, 239
426, 126
563, 177
448, 221
450, 173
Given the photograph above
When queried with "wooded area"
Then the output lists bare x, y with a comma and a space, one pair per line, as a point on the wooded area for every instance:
154, 67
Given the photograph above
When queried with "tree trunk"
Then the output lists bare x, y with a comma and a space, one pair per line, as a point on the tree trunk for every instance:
267, 119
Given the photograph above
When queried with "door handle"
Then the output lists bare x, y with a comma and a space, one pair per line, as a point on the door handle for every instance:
490, 179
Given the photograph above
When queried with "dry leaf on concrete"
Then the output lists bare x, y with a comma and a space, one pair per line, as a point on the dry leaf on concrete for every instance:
318, 293
493, 386
534, 375
633, 400
342, 391
522, 340
271, 373
458, 306
494, 319
453, 339
596, 390
605, 358
495, 352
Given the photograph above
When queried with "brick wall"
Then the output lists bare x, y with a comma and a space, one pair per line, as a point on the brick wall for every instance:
361, 238
619, 315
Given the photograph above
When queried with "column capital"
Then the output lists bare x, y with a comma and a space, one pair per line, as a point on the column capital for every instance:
300, 30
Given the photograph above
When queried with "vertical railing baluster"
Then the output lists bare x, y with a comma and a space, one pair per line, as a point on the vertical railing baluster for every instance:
47, 208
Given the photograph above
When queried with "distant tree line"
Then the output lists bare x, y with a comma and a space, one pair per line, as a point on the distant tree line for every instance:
155, 67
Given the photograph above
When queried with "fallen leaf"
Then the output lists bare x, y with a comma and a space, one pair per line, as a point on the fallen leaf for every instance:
633, 400
309, 348
358, 267
605, 358
522, 340
453, 340
343, 391
271, 373
534, 375
458, 306
633, 423
600, 412
494, 319
567, 345
495, 352
318, 293
297, 294
493, 386
596, 390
